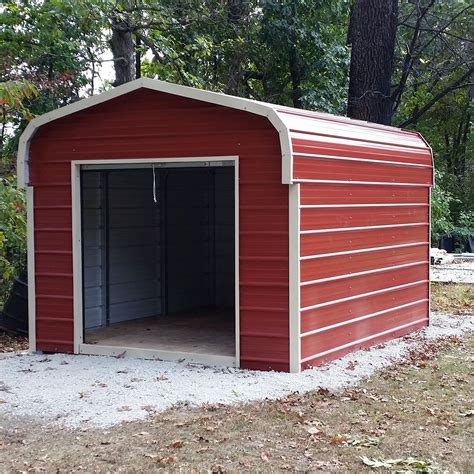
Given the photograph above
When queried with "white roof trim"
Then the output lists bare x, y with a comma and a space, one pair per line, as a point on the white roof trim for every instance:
259, 108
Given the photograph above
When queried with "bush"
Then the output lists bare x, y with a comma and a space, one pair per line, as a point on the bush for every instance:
12, 234
440, 213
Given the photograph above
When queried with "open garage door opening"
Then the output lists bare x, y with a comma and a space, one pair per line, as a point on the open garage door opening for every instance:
158, 260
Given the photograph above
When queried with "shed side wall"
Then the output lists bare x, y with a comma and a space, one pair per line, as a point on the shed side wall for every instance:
152, 124
364, 238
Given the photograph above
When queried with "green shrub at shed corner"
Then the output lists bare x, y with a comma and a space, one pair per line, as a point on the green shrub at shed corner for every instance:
12, 234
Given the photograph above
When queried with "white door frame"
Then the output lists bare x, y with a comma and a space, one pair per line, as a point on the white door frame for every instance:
79, 346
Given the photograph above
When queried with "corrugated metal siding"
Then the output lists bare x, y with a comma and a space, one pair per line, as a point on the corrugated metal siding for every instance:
133, 246
364, 234
152, 124
93, 242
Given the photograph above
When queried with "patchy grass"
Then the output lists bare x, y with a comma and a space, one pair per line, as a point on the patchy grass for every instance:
415, 416
452, 297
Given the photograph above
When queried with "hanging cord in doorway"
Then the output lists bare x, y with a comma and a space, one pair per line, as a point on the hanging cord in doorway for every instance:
155, 199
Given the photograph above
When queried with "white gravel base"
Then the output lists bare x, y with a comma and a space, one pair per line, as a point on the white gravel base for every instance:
93, 391
456, 272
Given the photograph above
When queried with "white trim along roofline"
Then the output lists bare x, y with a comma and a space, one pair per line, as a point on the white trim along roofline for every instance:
248, 105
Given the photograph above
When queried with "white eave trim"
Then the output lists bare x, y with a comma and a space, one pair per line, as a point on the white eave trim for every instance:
254, 107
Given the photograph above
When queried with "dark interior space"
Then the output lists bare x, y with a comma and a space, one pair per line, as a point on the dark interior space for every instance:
158, 257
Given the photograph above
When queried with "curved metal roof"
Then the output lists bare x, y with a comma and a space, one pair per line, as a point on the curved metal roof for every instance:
290, 123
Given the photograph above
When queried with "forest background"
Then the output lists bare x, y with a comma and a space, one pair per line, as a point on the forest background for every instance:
406, 63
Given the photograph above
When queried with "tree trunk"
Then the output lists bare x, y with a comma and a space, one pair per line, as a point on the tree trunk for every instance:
372, 31
296, 74
121, 44
235, 14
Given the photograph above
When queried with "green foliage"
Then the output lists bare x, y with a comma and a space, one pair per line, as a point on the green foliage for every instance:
441, 200
12, 97
443, 219
442, 55
12, 234
291, 52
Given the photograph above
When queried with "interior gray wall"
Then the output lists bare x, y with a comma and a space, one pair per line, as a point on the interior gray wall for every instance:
93, 249
194, 218
134, 246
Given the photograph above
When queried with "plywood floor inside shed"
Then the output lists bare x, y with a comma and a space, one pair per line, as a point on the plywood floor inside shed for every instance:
202, 332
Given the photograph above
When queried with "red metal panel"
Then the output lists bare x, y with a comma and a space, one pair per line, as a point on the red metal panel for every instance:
370, 342
54, 284
347, 240
326, 291
347, 310
152, 124
53, 239
349, 333
54, 261
47, 217
335, 218
346, 148
363, 194
342, 170
326, 267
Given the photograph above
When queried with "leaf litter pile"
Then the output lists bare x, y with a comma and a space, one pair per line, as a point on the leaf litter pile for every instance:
12, 343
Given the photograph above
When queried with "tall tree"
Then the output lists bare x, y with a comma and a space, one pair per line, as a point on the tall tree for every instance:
372, 31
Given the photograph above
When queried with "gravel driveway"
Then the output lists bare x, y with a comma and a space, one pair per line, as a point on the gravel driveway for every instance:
81, 391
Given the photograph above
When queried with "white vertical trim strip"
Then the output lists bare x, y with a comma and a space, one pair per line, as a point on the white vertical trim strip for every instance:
30, 232
77, 254
294, 277
429, 254
236, 265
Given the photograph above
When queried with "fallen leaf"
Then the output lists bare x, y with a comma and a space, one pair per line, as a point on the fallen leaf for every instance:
178, 444
338, 439
351, 365
364, 443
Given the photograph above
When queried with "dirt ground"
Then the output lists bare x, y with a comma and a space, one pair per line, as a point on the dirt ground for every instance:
452, 297
416, 416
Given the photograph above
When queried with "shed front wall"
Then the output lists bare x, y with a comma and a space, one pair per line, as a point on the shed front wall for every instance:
150, 124
364, 236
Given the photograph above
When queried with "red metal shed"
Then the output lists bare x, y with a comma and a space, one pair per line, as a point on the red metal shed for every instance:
171, 222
